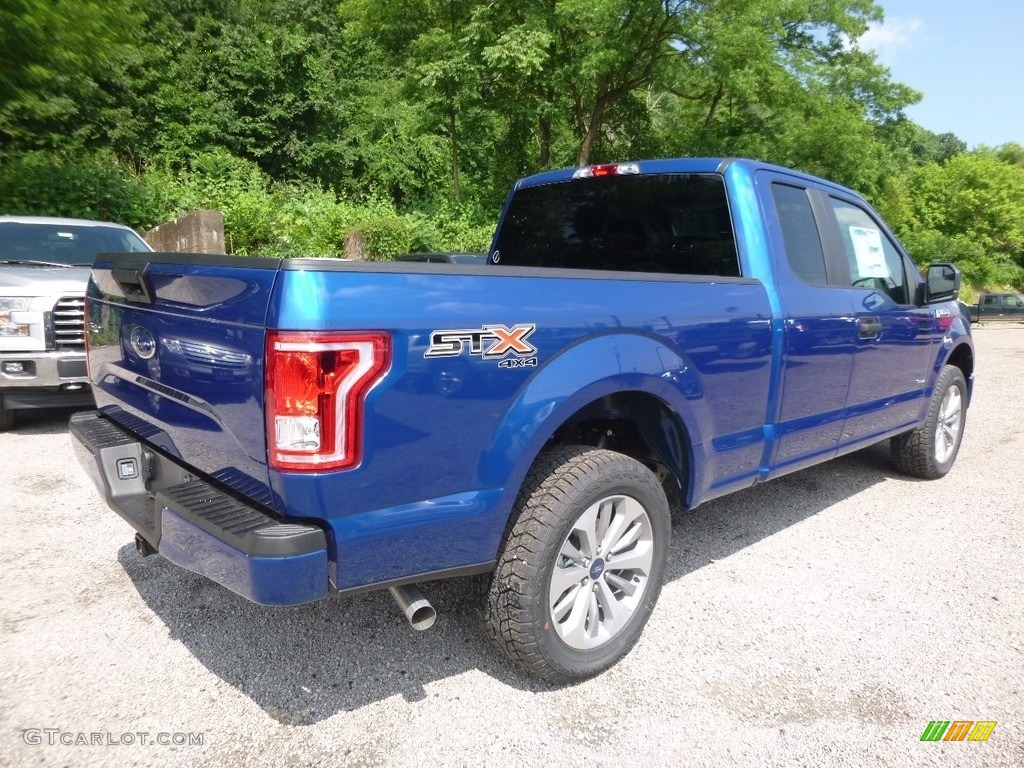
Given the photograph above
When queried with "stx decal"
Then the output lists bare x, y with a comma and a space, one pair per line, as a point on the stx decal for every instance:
491, 342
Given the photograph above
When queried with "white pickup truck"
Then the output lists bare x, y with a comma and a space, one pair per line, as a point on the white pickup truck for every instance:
44, 268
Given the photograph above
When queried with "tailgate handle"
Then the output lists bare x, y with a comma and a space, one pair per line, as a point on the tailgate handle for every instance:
134, 284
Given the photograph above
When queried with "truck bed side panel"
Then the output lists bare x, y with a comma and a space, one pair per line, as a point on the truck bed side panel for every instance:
431, 490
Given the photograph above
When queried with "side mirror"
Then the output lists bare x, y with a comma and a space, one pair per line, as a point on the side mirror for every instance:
942, 283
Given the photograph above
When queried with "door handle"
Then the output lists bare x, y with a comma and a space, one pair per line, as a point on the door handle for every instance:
868, 327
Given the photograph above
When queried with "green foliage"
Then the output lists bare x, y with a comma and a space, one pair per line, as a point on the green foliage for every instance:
311, 221
1011, 153
408, 121
63, 71
261, 217
385, 236
450, 230
977, 193
927, 246
968, 210
461, 233
100, 188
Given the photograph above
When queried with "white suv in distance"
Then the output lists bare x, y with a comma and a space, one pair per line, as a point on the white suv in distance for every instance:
44, 269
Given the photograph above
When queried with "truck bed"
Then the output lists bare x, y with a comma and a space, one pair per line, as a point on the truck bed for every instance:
441, 449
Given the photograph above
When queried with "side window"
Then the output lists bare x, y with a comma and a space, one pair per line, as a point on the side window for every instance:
990, 301
800, 233
874, 261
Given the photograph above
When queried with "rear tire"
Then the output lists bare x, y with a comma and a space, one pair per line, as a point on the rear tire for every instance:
581, 564
929, 452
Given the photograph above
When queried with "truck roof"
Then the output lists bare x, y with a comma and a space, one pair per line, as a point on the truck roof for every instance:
679, 165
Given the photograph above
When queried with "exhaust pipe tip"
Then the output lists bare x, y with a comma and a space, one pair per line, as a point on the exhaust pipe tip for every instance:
423, 618
417, 609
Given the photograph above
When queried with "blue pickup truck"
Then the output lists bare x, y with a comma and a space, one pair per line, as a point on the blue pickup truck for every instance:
669, 329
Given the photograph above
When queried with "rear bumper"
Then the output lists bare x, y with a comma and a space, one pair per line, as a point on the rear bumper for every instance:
197, 526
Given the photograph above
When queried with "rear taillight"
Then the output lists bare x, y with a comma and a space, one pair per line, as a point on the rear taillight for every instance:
316, 385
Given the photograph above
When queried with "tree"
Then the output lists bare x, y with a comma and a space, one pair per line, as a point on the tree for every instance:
612, 49
63, 67
257, 77
568, 65
433, 108
426, 41
782, 81
971, 210
975, 193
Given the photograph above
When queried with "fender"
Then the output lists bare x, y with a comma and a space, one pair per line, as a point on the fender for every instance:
593, 368
955, 348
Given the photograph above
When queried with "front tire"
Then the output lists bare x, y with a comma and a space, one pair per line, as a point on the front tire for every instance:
581, 564
929, 452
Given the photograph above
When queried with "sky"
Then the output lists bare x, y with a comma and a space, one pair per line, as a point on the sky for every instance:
967, 58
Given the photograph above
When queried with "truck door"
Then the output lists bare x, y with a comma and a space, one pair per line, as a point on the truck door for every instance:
894, 344
857, 352
820, 335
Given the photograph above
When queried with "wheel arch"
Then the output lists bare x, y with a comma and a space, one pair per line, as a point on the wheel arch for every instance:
648, 394
962, 357
639, 425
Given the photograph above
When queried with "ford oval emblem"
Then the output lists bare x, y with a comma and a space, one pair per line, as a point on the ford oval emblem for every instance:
142, 342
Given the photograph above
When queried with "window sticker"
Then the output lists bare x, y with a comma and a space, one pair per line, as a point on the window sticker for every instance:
867, 248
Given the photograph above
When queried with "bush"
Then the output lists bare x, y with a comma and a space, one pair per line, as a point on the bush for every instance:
37, 184
981, 267
385, 237
448, 231
261, 218
457, 234
928, 245
311, 221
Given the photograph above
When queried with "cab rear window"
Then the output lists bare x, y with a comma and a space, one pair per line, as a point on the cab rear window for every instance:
669, 223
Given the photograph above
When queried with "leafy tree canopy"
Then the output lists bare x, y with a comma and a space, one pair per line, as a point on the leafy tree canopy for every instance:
432, 108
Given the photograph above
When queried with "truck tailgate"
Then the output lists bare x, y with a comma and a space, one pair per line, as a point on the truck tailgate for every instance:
176, 357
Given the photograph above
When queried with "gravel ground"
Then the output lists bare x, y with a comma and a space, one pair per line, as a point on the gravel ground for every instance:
821, 619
